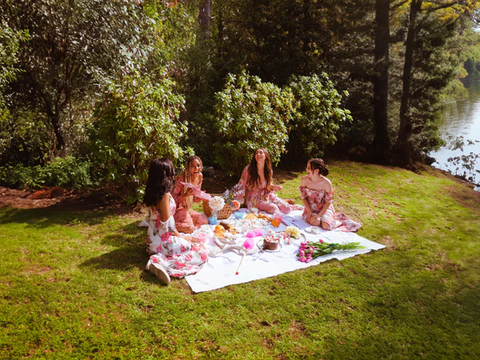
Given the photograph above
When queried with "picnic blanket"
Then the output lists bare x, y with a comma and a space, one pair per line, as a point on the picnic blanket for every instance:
220, 271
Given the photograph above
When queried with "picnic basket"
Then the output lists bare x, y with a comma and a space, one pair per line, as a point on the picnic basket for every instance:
222, 214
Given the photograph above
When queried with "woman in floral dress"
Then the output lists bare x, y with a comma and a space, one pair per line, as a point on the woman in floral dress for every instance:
186, 219
171, 254
256, 183
317, 195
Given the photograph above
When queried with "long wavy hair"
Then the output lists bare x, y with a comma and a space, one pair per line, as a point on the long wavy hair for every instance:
187, 177
267, 170
320, 165
160, 181
186, 172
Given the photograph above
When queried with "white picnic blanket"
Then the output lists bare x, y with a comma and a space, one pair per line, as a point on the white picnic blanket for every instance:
221, 270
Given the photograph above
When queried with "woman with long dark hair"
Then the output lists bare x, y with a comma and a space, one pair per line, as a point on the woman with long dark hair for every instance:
171, 254
317, 197
257, 185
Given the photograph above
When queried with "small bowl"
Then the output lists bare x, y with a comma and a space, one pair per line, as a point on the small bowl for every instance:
239, 215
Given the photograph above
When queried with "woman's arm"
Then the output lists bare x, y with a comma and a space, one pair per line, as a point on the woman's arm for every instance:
180, 193
327, 197
242, 184
307, 207
324, 208
276, 187
303, 186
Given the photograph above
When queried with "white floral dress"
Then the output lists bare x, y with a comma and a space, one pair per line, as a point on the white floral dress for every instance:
178, 256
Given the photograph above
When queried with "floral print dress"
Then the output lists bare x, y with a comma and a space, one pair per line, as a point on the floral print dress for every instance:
178, 256
185, 218
259, 197
316, 199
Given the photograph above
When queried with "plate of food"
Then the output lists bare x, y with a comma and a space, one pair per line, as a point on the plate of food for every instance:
270, 243
315, 230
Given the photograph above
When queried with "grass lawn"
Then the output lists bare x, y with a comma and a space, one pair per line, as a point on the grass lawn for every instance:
72, 284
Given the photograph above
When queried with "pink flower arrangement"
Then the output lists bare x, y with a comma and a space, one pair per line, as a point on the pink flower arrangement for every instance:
310, 250
230, 196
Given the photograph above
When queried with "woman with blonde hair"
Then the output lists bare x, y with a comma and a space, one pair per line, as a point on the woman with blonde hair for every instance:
186, 219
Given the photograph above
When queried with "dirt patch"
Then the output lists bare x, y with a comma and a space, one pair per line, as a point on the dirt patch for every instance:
214, 182
58, 198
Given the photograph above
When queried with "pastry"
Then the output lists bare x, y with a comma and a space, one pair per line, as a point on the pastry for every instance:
270, 242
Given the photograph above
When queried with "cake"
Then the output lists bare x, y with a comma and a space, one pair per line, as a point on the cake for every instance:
270, 243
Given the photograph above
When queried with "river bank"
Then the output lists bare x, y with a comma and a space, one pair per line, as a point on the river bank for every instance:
461, 131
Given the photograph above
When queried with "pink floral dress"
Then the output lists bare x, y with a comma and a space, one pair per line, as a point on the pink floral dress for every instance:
316, 199
177, 255
259, 197
183, 217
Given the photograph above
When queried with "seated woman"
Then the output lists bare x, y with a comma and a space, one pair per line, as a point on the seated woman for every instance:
256, 182
317, 195
171, 254
186, 219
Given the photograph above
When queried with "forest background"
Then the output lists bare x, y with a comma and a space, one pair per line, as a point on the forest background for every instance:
91, 91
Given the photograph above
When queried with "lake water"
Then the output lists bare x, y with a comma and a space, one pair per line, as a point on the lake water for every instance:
462, 118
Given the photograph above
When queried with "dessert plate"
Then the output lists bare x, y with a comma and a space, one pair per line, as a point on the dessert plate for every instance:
315, 230
260, 247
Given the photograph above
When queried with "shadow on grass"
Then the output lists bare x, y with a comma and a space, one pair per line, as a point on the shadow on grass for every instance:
45, 217
130, 252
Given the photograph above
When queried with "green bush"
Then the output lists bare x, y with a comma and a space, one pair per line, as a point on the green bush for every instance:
318, 117
24, 138
251, 114
67, 172
135, 122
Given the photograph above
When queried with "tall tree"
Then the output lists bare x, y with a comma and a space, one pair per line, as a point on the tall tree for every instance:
72, 44
205, 18
403, 148
430, 24
381, 141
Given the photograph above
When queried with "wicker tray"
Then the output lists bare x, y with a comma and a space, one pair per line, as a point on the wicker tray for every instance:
222, 214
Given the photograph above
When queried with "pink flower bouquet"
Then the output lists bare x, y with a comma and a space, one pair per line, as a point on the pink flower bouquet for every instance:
310, 250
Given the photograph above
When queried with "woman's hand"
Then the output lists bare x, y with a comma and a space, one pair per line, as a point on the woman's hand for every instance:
308, 212
188, 192
276, 187
192, 239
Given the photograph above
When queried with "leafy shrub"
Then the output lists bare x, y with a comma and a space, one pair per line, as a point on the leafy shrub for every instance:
251, 114
24, 138
135, 122
67, 172
318, 117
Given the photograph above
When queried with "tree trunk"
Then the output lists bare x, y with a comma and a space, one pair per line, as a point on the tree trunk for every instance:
403, 148
54, 118
381, 142
205, 18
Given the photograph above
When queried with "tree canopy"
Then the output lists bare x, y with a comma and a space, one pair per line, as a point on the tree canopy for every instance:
114, 80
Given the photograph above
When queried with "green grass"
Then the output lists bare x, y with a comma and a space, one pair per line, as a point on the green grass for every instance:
72, 284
